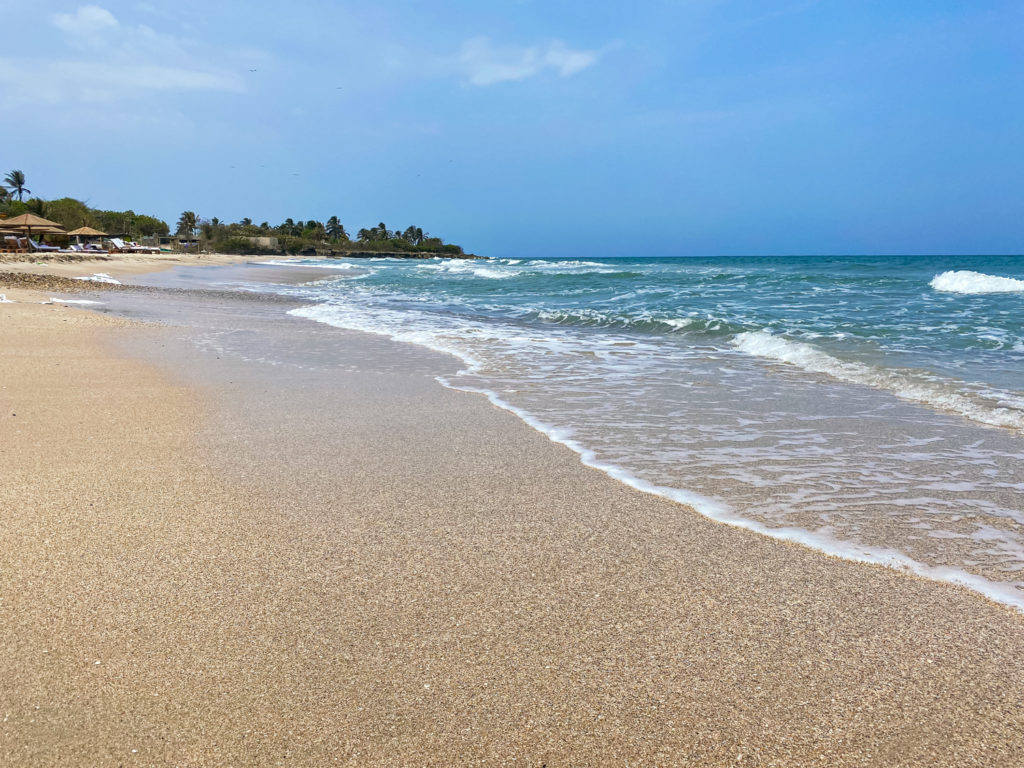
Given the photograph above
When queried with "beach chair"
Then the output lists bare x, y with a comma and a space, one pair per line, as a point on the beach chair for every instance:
40, 246
13, 244
136, 248
118, 246
93, 248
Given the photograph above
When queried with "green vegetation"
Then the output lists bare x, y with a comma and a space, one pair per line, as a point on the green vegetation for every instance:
72, 214
298, 236
290, 237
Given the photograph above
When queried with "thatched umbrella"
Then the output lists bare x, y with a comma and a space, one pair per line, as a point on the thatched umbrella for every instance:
29, 221
87, 233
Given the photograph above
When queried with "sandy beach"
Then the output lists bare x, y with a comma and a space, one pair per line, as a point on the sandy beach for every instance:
210, 560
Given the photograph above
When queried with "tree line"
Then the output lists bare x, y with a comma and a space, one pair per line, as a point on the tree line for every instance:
302, 236
72, 214
292, 235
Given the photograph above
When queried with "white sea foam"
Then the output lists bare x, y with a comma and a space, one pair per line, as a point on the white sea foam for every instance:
499, 269
719, 511
99, 277
679, 322
5, 300
73, 301
966, 281
467, 267
597, 317
390, 324
944, 395
550, 264
296, 263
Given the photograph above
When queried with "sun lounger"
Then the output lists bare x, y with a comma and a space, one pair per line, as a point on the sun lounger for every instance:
40, 246
13, 244
138, 248
87, 249
124, 247
117, 245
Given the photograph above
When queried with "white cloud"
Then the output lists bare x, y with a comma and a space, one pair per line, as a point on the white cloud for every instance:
88, 20
92, 82
119, 62
485, 63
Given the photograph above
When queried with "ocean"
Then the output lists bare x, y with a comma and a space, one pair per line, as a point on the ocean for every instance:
868, 407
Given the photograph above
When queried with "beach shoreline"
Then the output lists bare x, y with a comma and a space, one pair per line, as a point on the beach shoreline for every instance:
334, 558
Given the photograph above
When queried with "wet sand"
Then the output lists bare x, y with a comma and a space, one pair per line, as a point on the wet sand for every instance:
117, 265
287, 544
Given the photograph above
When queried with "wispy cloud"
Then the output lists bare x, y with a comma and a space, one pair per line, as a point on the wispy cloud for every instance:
103, 60
87, 22
484, 62
57, 82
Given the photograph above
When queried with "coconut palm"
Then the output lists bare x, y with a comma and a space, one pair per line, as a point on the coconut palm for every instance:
187, 223
335, 230
15, 180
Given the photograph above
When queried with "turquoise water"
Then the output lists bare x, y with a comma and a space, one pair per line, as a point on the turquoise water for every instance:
869, 407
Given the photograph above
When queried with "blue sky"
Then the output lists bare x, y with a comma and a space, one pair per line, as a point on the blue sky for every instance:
667, 127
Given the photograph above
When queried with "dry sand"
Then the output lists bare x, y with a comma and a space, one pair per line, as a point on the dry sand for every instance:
348, 565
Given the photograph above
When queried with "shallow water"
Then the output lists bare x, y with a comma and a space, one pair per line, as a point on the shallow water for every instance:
869, 407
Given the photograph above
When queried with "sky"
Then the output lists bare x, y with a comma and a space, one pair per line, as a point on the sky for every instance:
537, 127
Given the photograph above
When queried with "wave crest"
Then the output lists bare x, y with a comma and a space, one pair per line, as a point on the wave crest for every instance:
968, 282
946, 396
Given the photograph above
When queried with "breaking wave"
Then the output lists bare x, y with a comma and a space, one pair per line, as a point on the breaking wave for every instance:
947, 395
968, 282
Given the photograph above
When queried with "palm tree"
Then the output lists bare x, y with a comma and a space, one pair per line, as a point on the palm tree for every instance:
335, 230
16, 181
413, 235
187, 223
315, 230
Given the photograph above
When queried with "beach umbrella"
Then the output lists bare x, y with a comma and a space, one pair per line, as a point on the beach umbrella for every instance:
86, 232
29, 221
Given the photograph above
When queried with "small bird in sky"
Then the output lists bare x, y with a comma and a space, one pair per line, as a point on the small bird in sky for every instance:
252, 70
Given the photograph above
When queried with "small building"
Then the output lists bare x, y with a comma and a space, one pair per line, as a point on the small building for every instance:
263, 243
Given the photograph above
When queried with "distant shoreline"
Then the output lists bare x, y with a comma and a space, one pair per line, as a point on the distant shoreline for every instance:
364, 254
